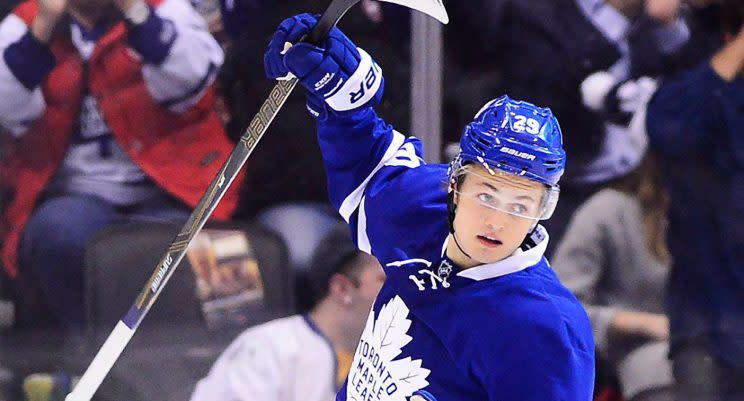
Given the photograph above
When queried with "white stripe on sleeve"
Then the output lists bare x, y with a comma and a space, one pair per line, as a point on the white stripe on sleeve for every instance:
354, 91
362, 239
19, 105
192, 65
350, 204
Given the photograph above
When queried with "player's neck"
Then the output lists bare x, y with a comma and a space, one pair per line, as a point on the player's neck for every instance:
334, 324
458, 256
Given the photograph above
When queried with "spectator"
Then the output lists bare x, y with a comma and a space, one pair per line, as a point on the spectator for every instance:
303, 357
695, 123
614, 258
553, 46
112, 108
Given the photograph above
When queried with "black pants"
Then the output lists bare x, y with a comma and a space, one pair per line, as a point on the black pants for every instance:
701, 376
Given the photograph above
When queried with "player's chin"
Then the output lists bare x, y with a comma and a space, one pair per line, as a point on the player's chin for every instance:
490, 255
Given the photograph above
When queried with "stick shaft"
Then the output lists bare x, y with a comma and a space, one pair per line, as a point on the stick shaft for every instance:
124, 330
127, 326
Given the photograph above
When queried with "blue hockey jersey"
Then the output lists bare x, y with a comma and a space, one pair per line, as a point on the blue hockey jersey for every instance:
502, 331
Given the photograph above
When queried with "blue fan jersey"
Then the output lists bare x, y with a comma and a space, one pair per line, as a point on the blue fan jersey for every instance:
501, 331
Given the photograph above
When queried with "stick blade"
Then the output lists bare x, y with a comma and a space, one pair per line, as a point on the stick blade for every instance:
433, 8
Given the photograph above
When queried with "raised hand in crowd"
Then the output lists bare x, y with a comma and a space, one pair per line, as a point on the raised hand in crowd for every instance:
126, 5
729, 61
663, 11
49, 13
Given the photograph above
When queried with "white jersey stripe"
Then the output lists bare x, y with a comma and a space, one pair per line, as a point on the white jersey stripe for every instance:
352, 201
362, 239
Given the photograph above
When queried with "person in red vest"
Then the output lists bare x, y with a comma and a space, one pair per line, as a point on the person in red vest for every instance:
110, 106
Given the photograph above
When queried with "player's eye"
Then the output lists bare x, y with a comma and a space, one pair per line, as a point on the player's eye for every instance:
487, 199
518, 208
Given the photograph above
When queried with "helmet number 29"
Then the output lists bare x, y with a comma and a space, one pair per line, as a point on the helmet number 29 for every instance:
523, 124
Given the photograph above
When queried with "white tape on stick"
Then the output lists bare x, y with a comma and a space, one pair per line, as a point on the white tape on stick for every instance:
434, 8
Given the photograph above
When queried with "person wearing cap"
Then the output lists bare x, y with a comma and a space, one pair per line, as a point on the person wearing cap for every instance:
614, 258
306, 356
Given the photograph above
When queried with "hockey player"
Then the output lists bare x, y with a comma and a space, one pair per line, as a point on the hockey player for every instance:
470, 309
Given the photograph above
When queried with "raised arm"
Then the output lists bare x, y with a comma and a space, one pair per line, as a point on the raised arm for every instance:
26, 62
362, 153
181, 58
686, 109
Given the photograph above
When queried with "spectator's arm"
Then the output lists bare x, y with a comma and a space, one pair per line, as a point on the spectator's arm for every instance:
181, 58
25, 63
728, 62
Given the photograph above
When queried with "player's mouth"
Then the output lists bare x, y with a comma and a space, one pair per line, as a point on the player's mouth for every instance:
488, 241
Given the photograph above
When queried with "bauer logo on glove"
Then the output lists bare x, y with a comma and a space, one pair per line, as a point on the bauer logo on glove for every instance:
340, 78
360, 88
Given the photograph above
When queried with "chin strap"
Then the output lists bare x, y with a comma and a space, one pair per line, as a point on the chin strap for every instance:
459, 247
451, 209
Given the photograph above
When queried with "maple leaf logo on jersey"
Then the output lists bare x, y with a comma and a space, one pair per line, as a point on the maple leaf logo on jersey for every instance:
375, 373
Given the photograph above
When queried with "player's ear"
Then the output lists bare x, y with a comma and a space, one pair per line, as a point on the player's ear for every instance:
340, 288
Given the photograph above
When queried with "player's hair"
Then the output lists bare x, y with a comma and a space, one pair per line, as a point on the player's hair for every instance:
335, 254
732, 16
645, 184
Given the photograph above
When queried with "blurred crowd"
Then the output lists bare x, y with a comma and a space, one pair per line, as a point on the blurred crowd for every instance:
116, 112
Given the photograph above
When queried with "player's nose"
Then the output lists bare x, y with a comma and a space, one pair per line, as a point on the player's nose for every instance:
495, 221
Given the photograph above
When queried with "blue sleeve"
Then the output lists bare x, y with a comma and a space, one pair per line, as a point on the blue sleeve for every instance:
29, 60
685, 110
363, 155
153, 39
180, 57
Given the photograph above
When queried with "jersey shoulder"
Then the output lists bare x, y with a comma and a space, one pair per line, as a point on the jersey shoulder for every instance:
407, 216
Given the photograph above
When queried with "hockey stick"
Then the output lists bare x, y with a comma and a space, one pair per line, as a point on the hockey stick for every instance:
126, 327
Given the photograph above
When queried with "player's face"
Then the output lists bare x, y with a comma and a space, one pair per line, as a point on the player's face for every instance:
495, 213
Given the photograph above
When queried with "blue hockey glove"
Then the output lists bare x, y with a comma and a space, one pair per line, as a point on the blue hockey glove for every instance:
340, 78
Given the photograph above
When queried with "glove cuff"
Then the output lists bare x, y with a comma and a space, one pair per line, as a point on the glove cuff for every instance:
359, 89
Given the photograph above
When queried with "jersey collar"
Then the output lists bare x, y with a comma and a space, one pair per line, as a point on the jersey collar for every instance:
518, 261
